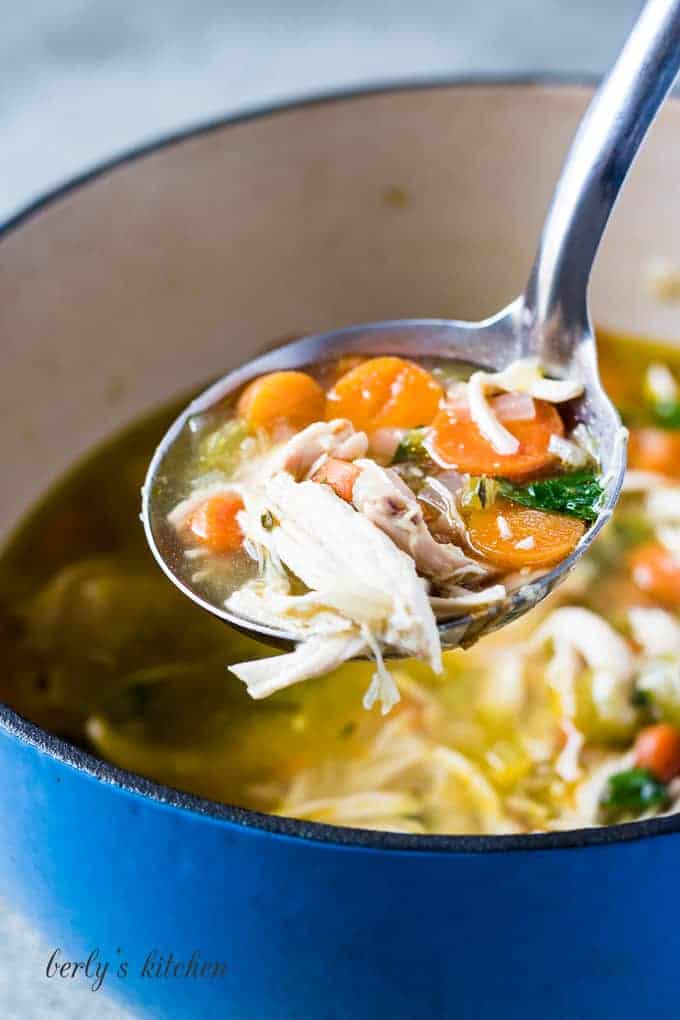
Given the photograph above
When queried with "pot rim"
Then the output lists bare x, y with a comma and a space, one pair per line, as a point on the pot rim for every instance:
55, 747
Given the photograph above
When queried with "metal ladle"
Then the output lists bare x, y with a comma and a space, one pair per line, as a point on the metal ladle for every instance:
550, 320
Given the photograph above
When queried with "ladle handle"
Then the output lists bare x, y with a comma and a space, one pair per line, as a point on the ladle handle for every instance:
601, 155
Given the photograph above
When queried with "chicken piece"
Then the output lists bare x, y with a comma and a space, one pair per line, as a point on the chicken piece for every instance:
582, 639
354, 567
354, 572
306, 451
385, 499
300, 456
459, 600
311, 658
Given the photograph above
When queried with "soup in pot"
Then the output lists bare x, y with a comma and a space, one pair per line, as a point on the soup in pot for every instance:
568, 717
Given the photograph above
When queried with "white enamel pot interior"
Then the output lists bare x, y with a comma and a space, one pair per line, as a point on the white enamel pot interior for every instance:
175, 264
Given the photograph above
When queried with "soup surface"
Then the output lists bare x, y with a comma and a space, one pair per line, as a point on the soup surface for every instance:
569, 717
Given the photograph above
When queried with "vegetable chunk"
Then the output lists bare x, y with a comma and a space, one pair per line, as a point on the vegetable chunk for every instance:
631, 793
458, 443
385, 392
510, 535
656, 571
657, 748
340, 475
652, 449
214, 523
282, 398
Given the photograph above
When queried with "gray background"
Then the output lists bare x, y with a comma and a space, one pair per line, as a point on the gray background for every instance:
80, 80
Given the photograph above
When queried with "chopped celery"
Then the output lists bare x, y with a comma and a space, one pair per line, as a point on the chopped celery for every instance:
219, 450
411, 447
479, 493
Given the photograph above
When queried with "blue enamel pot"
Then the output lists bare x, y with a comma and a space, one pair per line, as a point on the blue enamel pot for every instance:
174, 264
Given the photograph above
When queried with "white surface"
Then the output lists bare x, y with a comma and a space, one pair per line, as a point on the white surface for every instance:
80, 80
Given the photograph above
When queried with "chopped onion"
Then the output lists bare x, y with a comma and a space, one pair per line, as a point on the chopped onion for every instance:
567, 452
383, 443
525, 543
514, 407
504, 529
451, 480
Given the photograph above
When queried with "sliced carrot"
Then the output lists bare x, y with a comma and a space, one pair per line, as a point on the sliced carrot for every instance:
544, 539
656, 571
657, 748
458, 443
331, 371
385, 392
339, 474
214, 523
652, 449
290, 398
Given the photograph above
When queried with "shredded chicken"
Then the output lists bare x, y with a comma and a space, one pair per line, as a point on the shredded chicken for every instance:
568, 452
305, 452
523, 376
312, 657
458, 599
581, 638
381, 496
657, 631
353, 568
449, 791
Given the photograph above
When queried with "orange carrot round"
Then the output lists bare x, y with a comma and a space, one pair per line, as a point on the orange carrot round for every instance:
330, 371
339, 474
652, 449
657, 748
385, 392
282, 398
214, 523
543, 538
656, 571
457, 442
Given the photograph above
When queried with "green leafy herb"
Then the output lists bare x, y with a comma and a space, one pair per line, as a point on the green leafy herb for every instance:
667, 414
411, 447
578, 494
641, 698
632, 793
267, 520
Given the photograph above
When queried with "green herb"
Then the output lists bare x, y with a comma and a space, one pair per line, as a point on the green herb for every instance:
411, 447
667, 414
479, 493
641, 698
632, 793
578, 494
267, 521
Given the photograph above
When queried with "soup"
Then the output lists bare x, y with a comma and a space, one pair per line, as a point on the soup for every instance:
357, 503
569, 717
